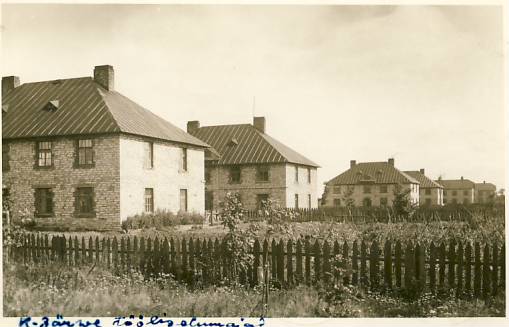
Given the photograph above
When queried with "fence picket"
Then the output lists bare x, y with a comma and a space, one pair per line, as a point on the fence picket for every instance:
289, 262
345, 261
441, 267
355, 263
486, 272
451, 265
388, 265
273, 253
374, 266
468, 268
317, 263
459, 271
256, 262
420, 273
494, 272
298, 270
363, 276
281, 262
477, 270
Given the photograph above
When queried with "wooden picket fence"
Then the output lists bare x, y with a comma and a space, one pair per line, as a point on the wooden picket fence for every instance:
466, 269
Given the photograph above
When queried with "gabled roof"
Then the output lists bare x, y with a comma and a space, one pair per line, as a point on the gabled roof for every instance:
84, 107
458, 184
424, 181
373, 172
485, 186
244, 144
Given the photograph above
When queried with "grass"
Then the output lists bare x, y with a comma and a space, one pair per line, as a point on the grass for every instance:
50, 290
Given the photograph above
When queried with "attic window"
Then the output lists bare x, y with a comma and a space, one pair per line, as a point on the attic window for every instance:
233, 142
56, 82
5, 108
51, 106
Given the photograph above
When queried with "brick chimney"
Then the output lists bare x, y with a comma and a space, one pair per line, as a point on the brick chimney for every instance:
422, 170
352, 163
391, 161
9, 83
192, 126
105, 76
259, 123
461, 177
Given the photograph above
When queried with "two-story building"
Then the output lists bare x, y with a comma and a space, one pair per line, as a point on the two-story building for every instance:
77, 153
369, 184
457, 191
244, 159
430, 192
484, 192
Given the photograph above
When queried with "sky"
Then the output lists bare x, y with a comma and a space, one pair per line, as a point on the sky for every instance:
421, 84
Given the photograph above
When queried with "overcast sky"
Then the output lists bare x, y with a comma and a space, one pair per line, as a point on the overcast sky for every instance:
421, 84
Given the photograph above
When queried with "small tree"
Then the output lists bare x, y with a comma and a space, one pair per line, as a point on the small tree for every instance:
348, 198
238, 242
401, 203
277, 217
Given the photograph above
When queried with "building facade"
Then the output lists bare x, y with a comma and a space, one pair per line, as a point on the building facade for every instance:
430, 192
485, 192
457, 191
78, 154
243, 159
369, 184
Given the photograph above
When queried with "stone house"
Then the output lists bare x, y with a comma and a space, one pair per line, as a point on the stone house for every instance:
484, 192
369, 184
244, 159
77, 153
457, 190
430, 192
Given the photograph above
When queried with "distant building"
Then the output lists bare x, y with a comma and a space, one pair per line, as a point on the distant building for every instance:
430, 192
76, 153
457, 191
485, 192
244, 159
369, 184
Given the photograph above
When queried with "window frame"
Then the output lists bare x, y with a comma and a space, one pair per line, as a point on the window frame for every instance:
427, 191
186, 198
183, 160
384, 189
366, 189
262, 169
38, 152
232, 173
49, 196
259, 199
149, 191
296, 173
309, 175
78, 193
78, 149
296, 201
336, 202
148, 155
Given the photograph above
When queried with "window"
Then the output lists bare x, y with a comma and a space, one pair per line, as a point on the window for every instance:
85, 152
296, 174
235, 174
149, 200
44, 157
149, 155
43, 202
367, 189
309, 175
366, 202
5, 156
337, 190
383, 202
427, 191
465, 192
428, 202
209, 200
337, 202
454, 193
309, 201
383, 188
261, 199
183, 200
183, 160
296, 201
262, 174
85, 202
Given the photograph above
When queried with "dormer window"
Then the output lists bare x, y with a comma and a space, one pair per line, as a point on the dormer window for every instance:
51, 106
233, 142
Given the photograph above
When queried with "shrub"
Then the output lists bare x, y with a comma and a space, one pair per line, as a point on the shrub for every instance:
162, 218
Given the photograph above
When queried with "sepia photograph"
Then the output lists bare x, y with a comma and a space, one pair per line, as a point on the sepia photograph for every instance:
254, 161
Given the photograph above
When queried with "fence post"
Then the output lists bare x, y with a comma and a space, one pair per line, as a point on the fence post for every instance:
374, 264
388, 265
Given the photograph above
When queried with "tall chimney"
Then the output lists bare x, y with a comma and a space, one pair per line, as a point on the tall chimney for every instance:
422, 171
352, 163
9, 83
259, 123
391, 161
192, 126
105, 76
461, 177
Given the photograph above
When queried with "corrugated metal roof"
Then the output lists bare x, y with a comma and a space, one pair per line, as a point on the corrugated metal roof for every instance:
424, 181
243, 144
84, 107
372, 172
459, 184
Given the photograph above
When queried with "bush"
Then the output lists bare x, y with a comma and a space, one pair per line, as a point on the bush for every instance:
162, 218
